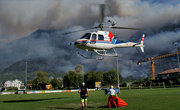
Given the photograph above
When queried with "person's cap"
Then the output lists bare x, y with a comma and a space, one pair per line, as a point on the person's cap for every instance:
111, 86
83, 83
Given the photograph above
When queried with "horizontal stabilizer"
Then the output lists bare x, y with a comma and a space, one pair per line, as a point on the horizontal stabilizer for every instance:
142, 49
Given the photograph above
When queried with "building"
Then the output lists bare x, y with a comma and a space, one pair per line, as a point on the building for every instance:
168, 75
7, 84
15, 83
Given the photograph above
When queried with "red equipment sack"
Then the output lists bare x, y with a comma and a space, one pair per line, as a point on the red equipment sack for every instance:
121, 103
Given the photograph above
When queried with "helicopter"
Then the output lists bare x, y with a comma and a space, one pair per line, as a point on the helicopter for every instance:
101, 41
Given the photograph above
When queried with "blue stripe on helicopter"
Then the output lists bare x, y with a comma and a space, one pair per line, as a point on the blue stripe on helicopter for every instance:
118, 42
113, 42
109, 42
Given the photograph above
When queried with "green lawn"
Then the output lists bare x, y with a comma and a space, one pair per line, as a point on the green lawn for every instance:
137, 99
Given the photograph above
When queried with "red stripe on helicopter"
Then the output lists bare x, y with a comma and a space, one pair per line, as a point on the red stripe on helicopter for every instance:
142, 39
110, 36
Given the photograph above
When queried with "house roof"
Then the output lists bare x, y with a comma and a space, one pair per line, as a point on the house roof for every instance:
170, 71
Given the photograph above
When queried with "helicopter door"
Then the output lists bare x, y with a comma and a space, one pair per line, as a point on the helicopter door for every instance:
93, 39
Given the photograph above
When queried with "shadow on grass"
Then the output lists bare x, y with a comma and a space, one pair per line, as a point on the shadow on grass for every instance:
66, 108
69, 108
30, 100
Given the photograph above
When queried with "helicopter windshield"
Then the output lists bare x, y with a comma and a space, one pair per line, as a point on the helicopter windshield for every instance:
86, 36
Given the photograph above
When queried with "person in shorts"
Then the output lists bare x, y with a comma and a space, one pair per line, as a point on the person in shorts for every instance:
83, 94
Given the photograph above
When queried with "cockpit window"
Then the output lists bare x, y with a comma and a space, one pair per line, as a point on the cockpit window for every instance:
94, 37
86, 36
100, 37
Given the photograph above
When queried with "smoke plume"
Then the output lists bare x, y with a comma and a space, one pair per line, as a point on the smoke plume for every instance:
42, 22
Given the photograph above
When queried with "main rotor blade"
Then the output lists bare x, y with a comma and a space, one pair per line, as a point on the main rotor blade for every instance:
77, 31
102, 13
124, 28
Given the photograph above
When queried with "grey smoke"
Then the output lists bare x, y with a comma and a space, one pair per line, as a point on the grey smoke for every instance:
159, 21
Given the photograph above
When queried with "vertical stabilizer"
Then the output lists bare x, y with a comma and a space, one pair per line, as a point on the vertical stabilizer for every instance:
142, 42
142, 39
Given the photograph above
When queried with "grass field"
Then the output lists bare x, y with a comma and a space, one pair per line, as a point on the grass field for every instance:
137, 99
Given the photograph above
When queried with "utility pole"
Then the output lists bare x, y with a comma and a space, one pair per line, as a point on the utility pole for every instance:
83, 71
175, 43
26, 75
117, 73
113, 23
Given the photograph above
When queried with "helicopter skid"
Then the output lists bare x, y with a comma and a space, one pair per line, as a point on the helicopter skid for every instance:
101, 58
104, 53
100, 53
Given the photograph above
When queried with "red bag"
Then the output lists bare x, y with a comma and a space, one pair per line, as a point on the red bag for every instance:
121, 103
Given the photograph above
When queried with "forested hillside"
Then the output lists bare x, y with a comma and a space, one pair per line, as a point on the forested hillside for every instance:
18, 70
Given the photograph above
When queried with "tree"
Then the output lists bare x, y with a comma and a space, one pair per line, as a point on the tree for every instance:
72, 79
55, 83
79, 69
51, 78
41, 79
92, 77
100, 75
60, 80
147, 79
66, 80
110, 77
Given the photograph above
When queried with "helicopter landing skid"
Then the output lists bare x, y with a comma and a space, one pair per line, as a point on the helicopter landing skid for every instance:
101, 58
104, 53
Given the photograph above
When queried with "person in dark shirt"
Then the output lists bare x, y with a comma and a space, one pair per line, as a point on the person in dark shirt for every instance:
83, 94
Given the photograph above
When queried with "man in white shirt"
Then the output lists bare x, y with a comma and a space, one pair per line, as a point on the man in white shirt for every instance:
112, 96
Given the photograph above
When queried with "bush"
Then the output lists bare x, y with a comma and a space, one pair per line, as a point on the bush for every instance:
11, 88
22, 87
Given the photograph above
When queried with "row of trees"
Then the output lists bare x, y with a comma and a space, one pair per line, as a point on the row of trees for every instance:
42, 78
74, 78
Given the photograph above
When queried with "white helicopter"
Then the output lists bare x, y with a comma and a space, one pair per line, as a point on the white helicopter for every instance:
101, 41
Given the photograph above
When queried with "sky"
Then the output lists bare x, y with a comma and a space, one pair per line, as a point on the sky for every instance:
158, 20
